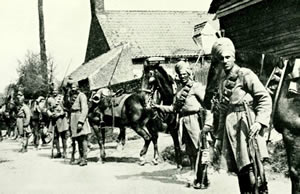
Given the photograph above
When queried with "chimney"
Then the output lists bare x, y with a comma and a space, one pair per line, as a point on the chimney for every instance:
97, 6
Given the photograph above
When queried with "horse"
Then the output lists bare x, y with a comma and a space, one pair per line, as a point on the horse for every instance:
287, 122
136, 113
286, 107
9, 116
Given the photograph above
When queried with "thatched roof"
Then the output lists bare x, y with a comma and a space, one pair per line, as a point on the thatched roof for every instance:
112, 67
152, 33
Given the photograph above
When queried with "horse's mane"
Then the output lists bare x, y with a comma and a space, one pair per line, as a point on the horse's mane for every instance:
165, 82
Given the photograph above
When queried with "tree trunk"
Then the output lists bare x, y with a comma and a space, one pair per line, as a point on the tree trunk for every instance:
42, 42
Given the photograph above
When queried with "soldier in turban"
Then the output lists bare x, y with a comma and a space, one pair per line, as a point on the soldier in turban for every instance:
58, 121
246, 112
188, 105
80, 126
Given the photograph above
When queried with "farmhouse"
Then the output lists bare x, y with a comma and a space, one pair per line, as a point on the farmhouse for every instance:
261, 25
167, 34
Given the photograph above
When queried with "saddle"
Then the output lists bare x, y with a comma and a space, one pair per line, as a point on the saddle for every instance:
118, 103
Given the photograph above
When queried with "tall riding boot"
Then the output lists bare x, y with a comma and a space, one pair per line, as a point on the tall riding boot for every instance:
57, 145
246, 180
39, 135
80, 147
102, 129
16, 133
64, 144
26, 142
72, 161
22, 150
84, 144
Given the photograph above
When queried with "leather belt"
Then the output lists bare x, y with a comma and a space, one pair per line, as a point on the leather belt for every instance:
237, 108
183, 114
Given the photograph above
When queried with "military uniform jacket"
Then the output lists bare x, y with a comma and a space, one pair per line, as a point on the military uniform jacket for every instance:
239, 87
23, 119
55, 107
79, 113
189, 117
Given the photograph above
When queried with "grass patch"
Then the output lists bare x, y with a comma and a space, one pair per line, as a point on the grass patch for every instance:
278, 158
277, 162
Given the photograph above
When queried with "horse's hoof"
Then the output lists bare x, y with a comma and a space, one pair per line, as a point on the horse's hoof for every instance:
179, 167
155, 161
100, 160
120, 147
142, 161
102, 154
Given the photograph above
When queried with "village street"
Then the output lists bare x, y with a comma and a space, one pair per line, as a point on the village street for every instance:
35, 172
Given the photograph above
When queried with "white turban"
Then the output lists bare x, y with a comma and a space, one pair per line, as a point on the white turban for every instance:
183, 67
221, 45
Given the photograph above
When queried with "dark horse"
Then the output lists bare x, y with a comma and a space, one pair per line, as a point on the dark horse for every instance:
137, 114
286, 115
287, 122
9, 116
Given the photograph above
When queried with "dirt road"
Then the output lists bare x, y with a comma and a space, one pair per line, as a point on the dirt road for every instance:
35, 172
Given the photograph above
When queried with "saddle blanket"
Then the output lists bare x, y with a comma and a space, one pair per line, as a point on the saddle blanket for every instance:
118, 103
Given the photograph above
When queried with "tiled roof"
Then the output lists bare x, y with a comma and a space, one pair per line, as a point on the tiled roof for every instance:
153, 33
101, 70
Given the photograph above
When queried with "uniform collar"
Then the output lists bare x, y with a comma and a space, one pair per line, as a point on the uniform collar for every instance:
233, 74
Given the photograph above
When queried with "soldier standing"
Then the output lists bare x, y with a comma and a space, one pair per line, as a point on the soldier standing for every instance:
23, 121
189, 105
80, 127
58, 122
36, 119
245, 111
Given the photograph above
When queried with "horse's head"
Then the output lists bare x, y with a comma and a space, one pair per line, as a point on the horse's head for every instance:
214, 76
156, 78
102, 98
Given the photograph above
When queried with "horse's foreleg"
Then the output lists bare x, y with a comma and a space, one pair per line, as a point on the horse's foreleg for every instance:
155, 146
292, 145
121, 138
154, 137
101, 140
147, 138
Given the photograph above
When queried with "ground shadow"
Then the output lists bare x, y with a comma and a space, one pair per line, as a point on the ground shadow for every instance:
4, 160
45, 155
106, 160
111, 147
164, 176
122, 159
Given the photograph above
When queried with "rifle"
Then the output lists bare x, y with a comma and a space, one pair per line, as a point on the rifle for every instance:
258, 169
202, 160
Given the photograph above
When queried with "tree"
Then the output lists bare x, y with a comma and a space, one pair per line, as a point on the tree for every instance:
42, 42
31, 78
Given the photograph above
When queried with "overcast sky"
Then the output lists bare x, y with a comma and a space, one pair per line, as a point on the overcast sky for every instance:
66, 28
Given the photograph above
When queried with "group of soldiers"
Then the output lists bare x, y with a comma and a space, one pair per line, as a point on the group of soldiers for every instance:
57, 115
243, 107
